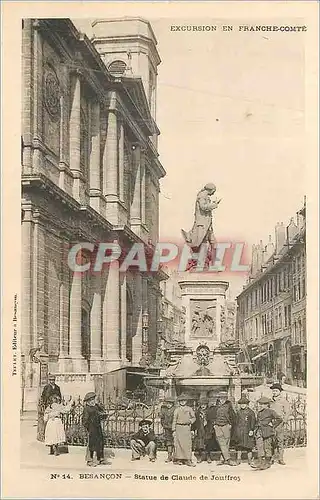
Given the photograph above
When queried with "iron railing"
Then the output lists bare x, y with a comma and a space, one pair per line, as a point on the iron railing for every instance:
123, 420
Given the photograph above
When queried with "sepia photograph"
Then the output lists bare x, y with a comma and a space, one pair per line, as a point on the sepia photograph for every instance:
161, 330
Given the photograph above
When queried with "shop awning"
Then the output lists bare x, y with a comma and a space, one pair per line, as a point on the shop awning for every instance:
143, 374
258, 356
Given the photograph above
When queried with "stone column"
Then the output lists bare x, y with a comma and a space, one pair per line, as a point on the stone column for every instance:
36, 266
75, 134
135, 213
95, 326
64, 117
37, 99
110, 163
95, 186
65, 364
27, 95
26, 283
137, 320
121, 162
111, 318
123, 303
64, 126
62, 345
143, 188
75, 316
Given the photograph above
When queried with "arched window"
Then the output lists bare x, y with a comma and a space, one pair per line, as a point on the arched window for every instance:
117, 68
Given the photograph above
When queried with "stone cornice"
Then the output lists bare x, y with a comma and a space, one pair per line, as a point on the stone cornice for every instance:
85, 212
40, 181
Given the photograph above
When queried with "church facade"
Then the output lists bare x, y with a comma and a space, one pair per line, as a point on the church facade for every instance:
90, 173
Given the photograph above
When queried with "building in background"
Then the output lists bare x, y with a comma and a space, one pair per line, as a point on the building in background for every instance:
90, 172
173, 313
271, 315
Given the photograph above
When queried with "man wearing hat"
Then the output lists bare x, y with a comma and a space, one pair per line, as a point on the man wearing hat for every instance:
267, 421
143, 442
223, 424
183, 418
93, 414
166, 418
245, 423
203, 435
282, 407
50, 390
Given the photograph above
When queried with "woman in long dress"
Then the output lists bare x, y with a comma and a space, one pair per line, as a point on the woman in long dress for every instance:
54, 430
183, 418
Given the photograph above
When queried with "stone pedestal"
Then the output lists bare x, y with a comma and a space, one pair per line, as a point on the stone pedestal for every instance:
203, 299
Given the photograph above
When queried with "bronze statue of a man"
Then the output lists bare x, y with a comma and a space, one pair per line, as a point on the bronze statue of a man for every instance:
202, 230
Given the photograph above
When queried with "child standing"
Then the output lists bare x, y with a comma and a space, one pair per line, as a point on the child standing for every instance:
183, 418
267, 421
92, 416
166, 418
54, 431
245, 422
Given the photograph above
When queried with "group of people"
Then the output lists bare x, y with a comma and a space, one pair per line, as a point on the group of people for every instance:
92, 417
211, 428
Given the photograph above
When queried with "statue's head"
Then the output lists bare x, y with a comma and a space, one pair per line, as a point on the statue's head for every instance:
210, 187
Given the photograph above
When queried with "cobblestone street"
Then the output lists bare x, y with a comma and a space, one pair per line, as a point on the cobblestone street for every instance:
35, 455
44, 476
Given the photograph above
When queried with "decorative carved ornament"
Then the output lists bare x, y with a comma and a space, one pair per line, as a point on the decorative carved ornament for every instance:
203, 355
52, 93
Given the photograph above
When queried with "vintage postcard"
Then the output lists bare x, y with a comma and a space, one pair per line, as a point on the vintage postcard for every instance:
160, 250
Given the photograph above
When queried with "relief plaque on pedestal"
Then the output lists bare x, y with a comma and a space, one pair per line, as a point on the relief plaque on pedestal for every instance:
203, 319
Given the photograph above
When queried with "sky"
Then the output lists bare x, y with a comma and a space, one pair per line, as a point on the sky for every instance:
230, 108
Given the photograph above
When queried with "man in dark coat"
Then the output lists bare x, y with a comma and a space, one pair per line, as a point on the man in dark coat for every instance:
212, 443
166, 418
143, 442
267, 422
203, 430
93, 414
244, 427
49, 390
223, 424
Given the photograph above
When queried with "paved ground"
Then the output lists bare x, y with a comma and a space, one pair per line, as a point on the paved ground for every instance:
35, 455
67, 476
